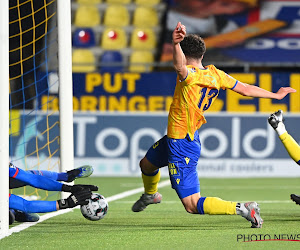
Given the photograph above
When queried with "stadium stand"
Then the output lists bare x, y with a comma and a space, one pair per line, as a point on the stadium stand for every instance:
89, 1
84, 37
119, 1
147, 2
117, 25
145, 17
83, 60
141, 61
113, 39
143, 39
87, 16
116, 15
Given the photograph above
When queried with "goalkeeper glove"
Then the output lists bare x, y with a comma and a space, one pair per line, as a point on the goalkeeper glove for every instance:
74, 200
78, 188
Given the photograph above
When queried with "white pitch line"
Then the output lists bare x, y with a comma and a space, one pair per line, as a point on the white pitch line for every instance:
26, 225
47, 216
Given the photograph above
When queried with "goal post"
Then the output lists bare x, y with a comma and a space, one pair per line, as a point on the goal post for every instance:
65, 86
36, 75
4, 120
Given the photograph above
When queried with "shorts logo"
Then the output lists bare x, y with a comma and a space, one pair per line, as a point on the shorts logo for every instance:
177, 180
155, 145
187, 160
172, 169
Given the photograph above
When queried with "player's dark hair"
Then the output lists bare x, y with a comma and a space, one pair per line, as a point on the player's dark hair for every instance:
193, 46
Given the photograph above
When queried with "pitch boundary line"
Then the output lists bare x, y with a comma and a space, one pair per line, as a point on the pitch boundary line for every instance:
47, 216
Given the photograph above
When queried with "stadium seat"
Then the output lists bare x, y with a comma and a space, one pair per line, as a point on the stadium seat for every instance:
147, 2
119, 1
87, 16
83, 60
110, 61
143, 39
113, 39
145, 17
89, 1
139, 60
116, 16
84, 37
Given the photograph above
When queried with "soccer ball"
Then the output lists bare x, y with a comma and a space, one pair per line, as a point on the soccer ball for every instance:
96, 209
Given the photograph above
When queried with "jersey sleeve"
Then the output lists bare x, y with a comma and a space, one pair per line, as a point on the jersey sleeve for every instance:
13, 171
227, 81
191, 74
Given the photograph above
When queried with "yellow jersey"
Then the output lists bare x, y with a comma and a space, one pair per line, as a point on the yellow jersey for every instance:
193, 96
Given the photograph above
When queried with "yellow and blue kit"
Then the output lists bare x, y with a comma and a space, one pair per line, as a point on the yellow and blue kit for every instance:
180, 148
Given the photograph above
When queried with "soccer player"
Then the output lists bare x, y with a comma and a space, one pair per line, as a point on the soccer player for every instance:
79, 196
196, 89
292, 147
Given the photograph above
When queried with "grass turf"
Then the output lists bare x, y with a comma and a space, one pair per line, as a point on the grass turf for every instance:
167, 225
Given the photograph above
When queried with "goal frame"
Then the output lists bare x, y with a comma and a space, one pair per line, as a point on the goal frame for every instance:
65, 101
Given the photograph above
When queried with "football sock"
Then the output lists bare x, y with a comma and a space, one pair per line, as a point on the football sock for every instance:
280, 129
151, 182
49, 174
214, 205
291, 146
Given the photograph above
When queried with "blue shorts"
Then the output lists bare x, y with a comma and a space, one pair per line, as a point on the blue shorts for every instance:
181, 156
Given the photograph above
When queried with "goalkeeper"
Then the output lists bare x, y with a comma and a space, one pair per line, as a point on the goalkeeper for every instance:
79, 194
292, 147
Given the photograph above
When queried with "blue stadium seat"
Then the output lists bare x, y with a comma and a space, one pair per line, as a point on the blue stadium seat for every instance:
109, 61
84, 38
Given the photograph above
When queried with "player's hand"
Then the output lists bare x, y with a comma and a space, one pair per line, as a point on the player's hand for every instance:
78, 188
283, 91
74, 200
179, 33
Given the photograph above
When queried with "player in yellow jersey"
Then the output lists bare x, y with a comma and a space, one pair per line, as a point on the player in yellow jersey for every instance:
292, 147
196, 89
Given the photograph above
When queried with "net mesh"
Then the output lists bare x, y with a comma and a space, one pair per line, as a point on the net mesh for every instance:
34, 127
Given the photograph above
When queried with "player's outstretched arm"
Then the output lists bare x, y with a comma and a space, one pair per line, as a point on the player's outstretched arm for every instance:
179, 60
254, 91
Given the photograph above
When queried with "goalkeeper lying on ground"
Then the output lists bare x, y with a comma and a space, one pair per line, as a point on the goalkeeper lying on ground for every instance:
292, 147
22, 209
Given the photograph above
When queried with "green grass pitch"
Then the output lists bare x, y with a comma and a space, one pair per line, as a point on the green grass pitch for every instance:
167, 225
